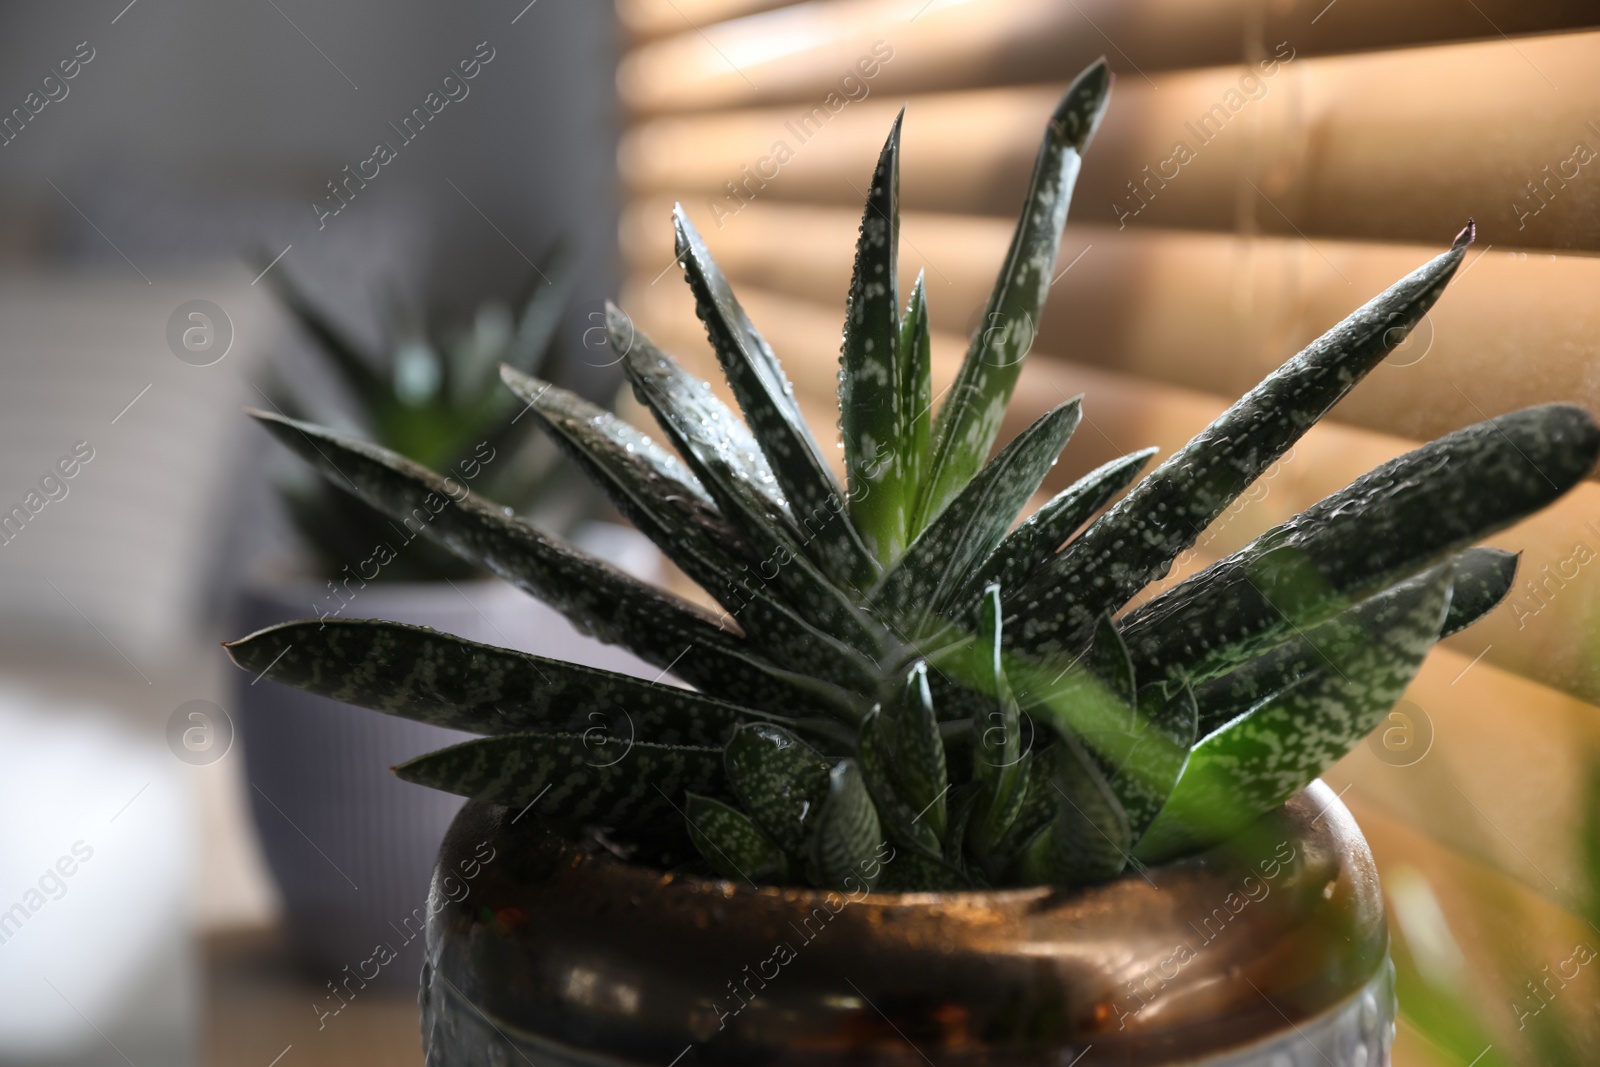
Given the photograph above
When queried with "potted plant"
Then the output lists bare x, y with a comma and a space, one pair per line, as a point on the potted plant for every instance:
349, 848
936, 796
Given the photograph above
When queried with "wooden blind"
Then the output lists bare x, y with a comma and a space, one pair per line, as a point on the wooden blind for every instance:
1265, 167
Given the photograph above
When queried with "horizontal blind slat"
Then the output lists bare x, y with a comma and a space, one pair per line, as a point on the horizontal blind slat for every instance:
804, 50
1403, 147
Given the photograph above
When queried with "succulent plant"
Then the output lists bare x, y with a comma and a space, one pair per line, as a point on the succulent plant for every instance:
435, 398
905, 690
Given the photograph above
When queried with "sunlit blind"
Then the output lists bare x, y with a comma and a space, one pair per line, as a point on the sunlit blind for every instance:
1265, 167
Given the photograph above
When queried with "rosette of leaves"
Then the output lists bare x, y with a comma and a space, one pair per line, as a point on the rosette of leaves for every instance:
905, 688
432, 393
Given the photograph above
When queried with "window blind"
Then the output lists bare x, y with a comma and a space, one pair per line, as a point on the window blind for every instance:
1265, 167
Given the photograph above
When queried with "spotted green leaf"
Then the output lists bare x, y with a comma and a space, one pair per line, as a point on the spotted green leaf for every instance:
765, 526
432, 677
566, 776
779, 779
1136, 541
870, 379
969, 421
1162, 733
597, 598
1259, 760
731, 843
1479, 577
913, 750
1088, 839
767, 400
846, 838
999, 764
660, 496
1035, 540
914, 357
936, 567
900, 816
1404, 516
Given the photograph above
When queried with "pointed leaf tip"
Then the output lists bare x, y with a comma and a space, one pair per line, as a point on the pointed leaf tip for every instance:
1468, 234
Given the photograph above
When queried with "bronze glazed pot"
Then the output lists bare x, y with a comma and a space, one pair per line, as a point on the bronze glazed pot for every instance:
1270, 951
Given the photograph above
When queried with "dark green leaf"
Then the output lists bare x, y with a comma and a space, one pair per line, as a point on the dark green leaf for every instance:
1136, 541
660, 496
915, 359
1035, 540
1405, 516
1089, 839
1163, 733
999, 763
1479, 578
1259, 760
899, 814
780, 781
768, 403
908, 732
1108, 659
912, 872
870, 378
970, 420
435, 678
678, 404
694, 401
731, 843
939, 562
561, 776
847, 843
597, 598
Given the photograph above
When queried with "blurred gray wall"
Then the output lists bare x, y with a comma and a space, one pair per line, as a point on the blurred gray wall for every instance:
201, 126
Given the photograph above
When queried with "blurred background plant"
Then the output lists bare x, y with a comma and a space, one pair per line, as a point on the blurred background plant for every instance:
1530, 996
433, 395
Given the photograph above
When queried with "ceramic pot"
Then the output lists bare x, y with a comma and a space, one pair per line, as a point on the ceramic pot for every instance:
1269, 952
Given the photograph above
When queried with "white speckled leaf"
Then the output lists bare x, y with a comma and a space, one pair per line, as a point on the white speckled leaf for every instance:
597, 598
436, 678
846, 838
969, 421
1035, 540
659, 495
870, 379
1135, 542
767, 400
1089, 839
780, 782
935, 568
563, 776
1265, 756
1479, 579
781, 565
915, 358
733, 845
1404, 516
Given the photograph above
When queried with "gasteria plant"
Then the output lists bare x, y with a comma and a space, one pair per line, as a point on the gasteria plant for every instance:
434, 398
901, 672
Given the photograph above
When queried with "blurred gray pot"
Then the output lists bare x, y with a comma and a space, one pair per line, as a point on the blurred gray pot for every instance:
349, 845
